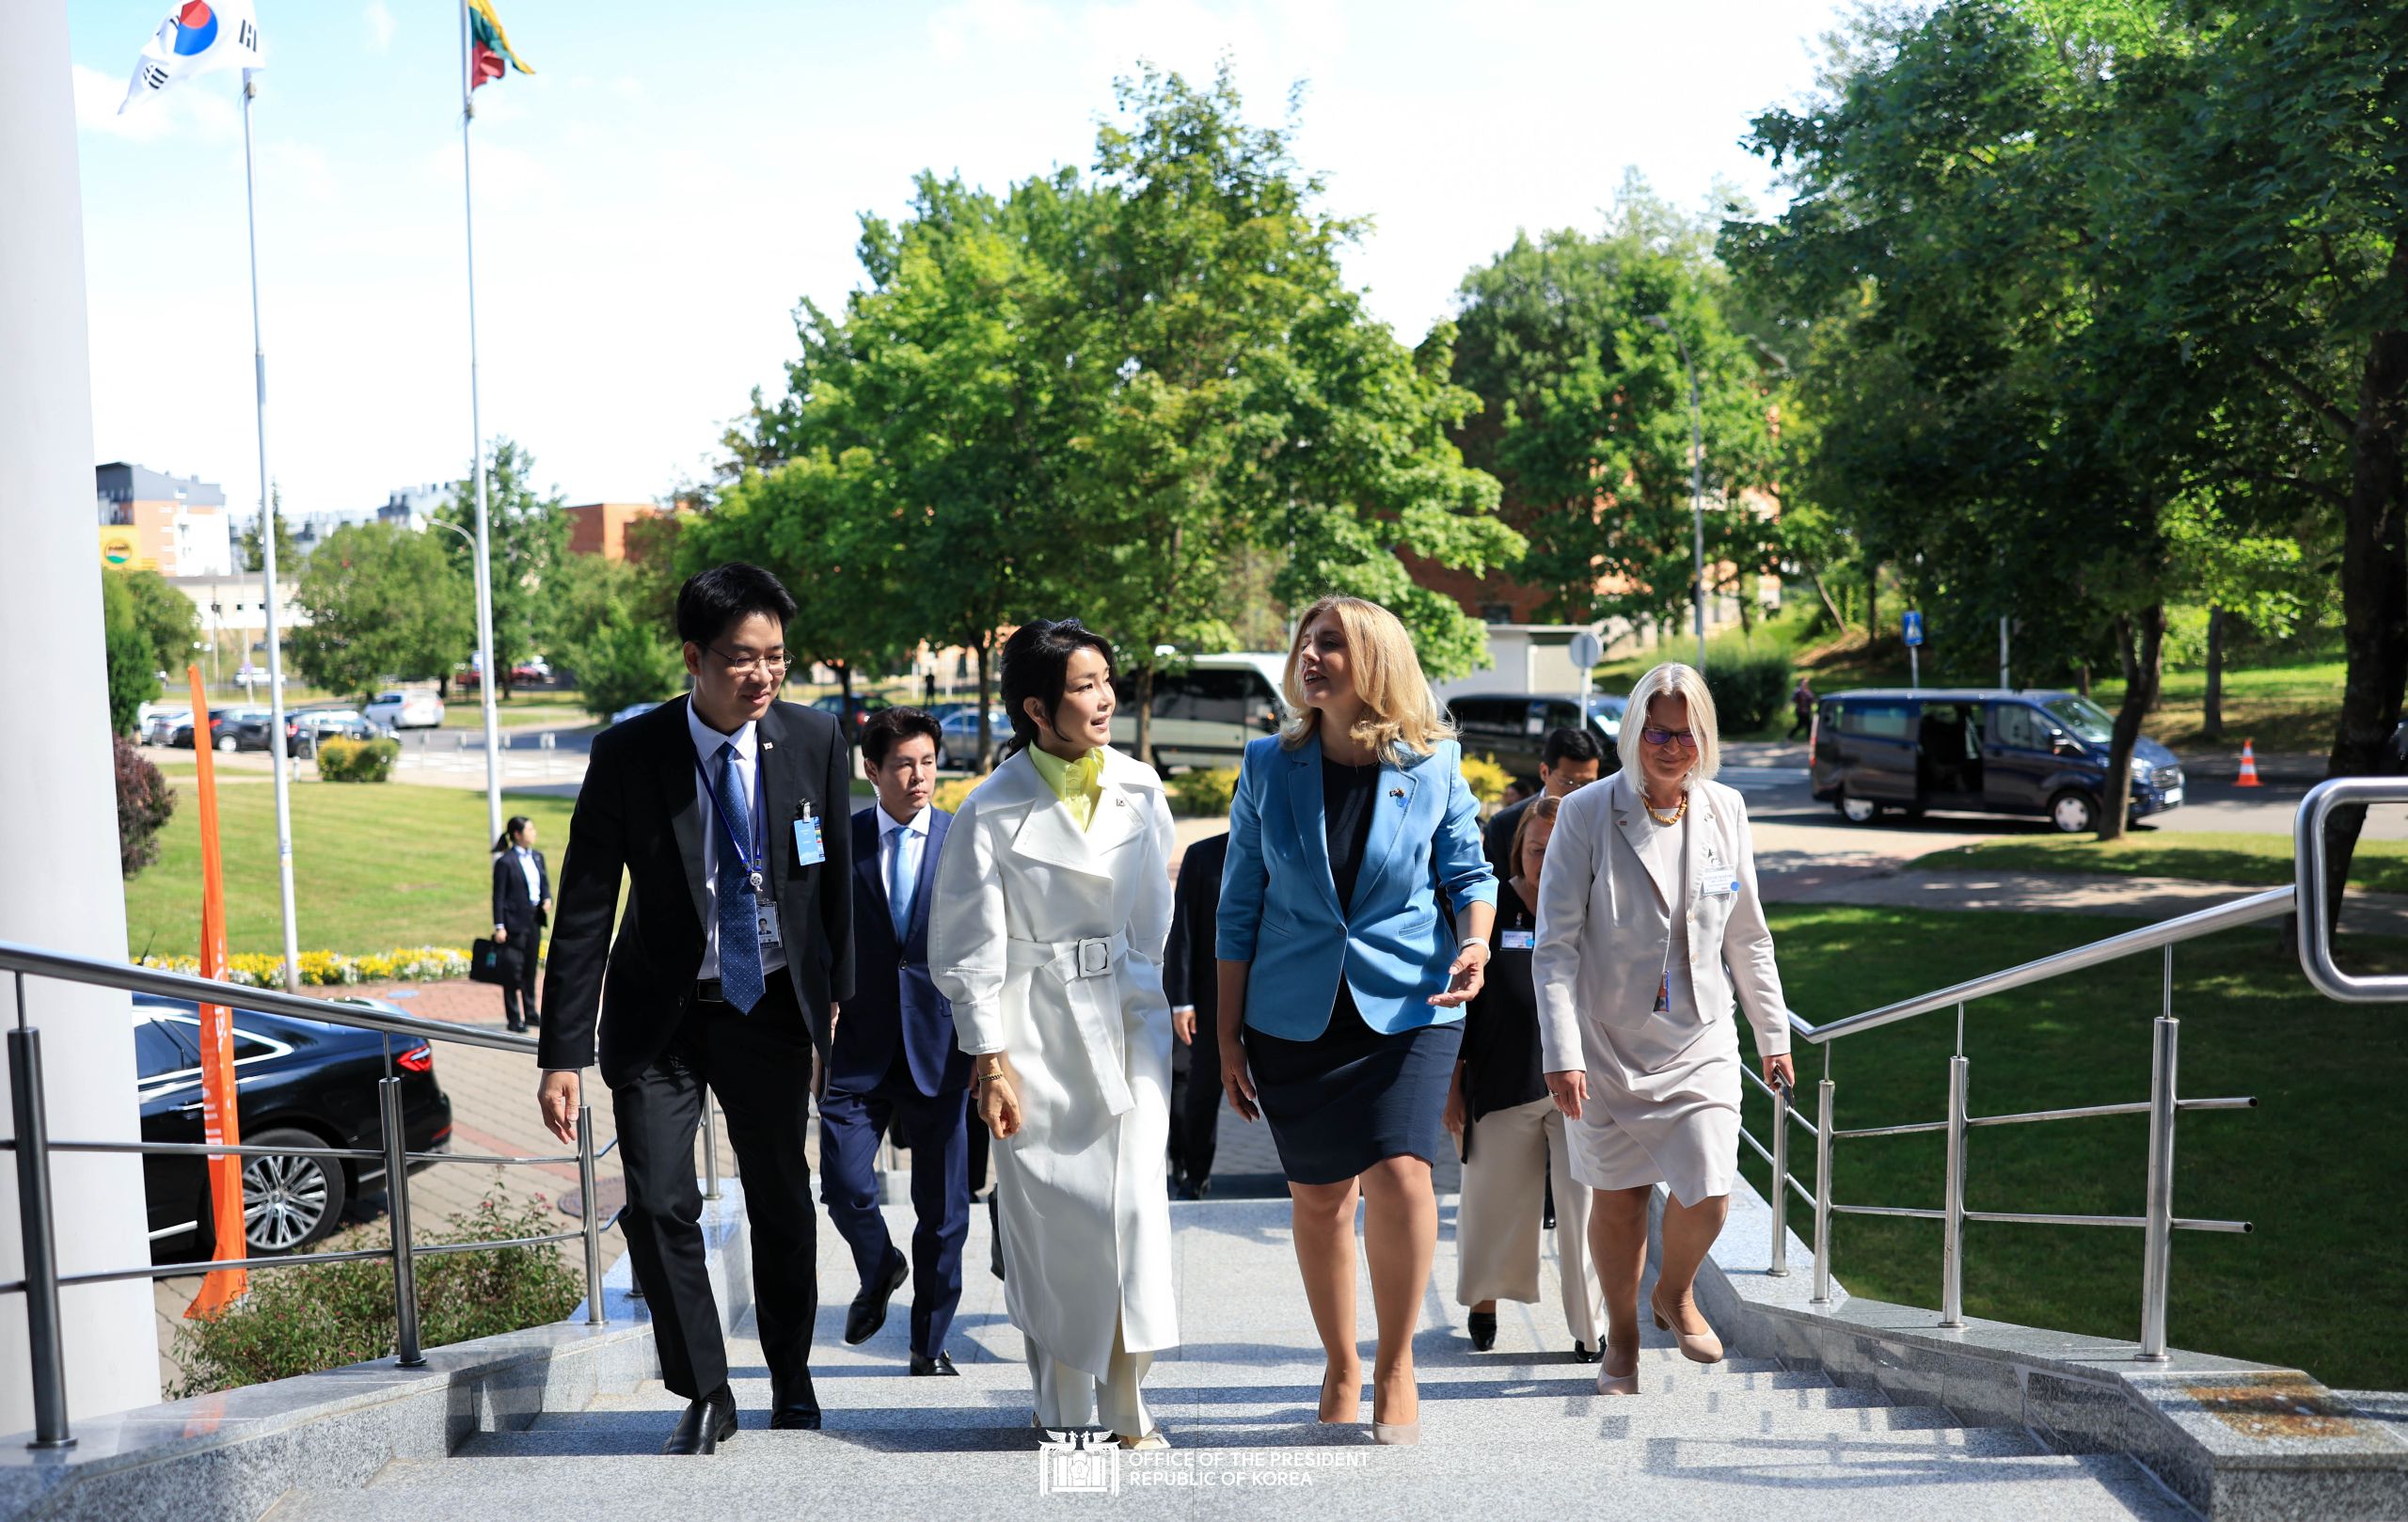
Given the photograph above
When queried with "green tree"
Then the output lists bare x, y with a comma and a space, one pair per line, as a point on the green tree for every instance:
168, 619
288, 559
530, 539
1241, 394
1586, 415
383, 602
133, 658
605, 637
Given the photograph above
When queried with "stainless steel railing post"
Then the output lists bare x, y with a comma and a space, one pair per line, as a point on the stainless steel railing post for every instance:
711, 1150
1952, 1230
1823, 1194
594, 1316
47, 1347
397, 1197
1778, 1267
2157, 1247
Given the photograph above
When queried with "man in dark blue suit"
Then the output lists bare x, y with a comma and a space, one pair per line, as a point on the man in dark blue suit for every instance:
896, 1062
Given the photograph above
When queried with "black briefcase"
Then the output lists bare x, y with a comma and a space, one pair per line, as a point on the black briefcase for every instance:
491, 963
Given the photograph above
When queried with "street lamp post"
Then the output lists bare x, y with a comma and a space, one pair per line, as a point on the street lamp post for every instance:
484, 678
1697, 477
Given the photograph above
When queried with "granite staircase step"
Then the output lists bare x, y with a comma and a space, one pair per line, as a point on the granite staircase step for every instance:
1518, 1431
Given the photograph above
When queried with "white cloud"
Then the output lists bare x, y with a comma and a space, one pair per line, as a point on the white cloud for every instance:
975, 25
380, 25
187, 109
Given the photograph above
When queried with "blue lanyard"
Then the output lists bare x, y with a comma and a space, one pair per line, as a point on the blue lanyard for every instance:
754, 858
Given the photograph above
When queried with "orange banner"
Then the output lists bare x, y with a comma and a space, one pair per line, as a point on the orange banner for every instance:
221, 1123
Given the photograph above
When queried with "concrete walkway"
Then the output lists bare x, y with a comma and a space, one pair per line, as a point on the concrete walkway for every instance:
1516, 1433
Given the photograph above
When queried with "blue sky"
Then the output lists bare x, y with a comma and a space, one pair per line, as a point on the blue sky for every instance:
653, 200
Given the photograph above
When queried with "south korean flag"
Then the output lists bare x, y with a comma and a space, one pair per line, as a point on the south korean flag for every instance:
198, 37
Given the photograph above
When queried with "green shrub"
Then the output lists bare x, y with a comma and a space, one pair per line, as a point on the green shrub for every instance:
342, 760
1203, 795
1748, 689
1485, 778
297, 1321
144, 803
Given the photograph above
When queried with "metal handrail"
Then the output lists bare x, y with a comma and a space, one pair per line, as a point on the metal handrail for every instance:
2308, 895
32, 1145
15, 957
2271, 904
2317, 909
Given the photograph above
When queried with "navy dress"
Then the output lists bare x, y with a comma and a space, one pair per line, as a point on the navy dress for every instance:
1350, 1095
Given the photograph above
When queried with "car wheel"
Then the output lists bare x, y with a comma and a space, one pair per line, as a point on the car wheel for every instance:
229, 744
1859, 810
290, 1202
2073, 813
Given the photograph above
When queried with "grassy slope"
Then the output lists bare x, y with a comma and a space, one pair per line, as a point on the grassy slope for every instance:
376, 866
2314, 1166
2379, 866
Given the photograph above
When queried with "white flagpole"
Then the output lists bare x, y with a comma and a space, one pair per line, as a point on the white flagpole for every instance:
267, 563
487, 678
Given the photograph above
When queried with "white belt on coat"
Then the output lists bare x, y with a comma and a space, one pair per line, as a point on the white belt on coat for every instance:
1088, 969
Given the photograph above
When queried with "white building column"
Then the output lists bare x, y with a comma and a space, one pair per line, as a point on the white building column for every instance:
59, 886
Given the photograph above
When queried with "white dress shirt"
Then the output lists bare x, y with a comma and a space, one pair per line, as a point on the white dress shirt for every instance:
715, 829
907, 838
527, 868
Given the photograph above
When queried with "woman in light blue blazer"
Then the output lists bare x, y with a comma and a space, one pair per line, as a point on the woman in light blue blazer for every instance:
1343, 987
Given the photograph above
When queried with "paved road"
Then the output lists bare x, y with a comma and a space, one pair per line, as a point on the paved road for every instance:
1773, 780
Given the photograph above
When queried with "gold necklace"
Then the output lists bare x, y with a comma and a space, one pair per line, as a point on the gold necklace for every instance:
1679, 810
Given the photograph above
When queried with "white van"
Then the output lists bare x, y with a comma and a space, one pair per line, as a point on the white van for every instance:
1206, 714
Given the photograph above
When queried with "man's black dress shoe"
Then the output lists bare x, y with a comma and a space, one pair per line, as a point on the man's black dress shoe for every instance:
1483, 1327
1582, 1352
869, 1306
941, 1364
794, 1405
1195, 1188
707, 1423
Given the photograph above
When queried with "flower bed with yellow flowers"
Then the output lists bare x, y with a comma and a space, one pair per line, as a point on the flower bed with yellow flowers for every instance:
330, 968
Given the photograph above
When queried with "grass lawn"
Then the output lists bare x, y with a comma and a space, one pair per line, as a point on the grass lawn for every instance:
2281, 707
2314, 1166
2378, 866
374, 867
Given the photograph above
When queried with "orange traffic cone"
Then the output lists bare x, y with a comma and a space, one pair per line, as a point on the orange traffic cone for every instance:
2248, 766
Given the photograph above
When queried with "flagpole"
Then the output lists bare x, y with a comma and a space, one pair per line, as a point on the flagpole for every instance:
487, 677
267, 563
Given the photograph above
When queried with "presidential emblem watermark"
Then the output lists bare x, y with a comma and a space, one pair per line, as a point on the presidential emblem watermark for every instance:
1093, 1464
1078, 1463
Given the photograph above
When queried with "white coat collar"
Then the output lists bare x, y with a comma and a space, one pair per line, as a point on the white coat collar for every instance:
1047, 832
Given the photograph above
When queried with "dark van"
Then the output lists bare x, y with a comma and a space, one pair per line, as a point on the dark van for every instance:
2039, 753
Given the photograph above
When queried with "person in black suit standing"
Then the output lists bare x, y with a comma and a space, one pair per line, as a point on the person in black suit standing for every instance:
1569, 760
1191, 982
522, 904
898, 1058
726, 974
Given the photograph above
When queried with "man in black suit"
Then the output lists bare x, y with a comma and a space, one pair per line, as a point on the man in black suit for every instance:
897, 1061
726, 975
522, 905
1190, 982
1569, 759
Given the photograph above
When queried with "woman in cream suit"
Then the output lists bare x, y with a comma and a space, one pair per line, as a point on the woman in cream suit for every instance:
1052, 901
1649, 925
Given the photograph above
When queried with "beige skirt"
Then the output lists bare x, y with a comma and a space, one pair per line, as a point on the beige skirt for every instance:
1660, 1109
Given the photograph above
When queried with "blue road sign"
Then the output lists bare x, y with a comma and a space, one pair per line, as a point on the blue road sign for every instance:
1914, 629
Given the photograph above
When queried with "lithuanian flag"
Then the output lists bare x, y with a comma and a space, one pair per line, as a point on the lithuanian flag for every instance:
489, 46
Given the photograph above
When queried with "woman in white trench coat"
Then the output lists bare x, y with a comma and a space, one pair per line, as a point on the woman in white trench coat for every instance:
1649, 927
1053, 903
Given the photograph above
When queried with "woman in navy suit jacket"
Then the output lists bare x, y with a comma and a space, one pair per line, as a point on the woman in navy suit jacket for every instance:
1343, 987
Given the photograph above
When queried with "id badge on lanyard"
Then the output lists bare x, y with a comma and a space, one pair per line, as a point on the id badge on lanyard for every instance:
1663, 973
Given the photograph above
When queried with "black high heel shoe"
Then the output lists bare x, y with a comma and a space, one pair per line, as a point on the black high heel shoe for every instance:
1483, 1328
1582, 1352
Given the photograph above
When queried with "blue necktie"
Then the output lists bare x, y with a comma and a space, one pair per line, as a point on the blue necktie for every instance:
739, 921
898, 886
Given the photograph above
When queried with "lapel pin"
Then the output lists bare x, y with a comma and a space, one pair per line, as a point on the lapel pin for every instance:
1396, 792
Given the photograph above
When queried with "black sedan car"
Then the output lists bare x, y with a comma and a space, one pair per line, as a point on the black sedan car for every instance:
851, 715
303, 1083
